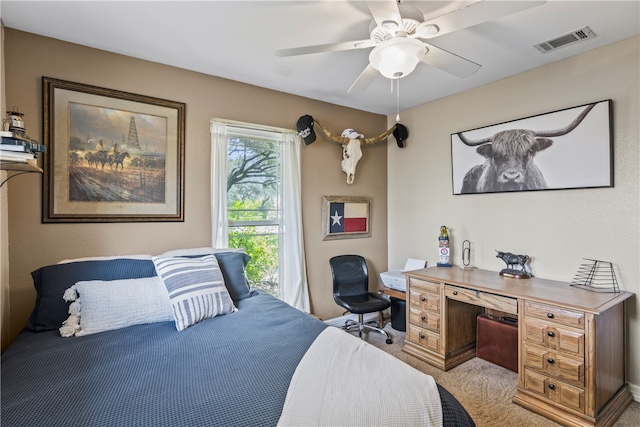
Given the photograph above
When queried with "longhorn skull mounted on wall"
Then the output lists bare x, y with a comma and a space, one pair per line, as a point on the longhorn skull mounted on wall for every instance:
350, 140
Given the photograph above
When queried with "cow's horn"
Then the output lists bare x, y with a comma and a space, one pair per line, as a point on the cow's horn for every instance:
473, 143
565, 130
339, 139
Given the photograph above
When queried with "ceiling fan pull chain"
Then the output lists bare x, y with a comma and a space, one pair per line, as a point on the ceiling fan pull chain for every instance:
397, 99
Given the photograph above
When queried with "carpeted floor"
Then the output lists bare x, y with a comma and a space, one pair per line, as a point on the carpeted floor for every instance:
484, 389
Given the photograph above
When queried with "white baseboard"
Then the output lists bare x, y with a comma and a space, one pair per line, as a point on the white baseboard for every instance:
635, 391
339, 321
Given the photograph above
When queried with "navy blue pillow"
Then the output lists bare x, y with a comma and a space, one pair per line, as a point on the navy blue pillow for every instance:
232, 265
51, 282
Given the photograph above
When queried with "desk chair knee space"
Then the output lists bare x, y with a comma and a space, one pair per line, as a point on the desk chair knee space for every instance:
351, 291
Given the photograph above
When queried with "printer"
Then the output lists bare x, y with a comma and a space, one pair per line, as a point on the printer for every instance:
394, 279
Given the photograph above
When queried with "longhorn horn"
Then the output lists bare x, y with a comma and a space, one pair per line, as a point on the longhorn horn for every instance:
344, 141
339, 139
380, 137
471, 143
565, 130
558, 132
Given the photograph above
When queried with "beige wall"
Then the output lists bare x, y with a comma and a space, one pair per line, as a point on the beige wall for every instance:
4, 225
33, 244
556, 228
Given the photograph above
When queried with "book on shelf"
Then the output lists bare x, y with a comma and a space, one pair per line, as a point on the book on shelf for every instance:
20, 136
16, 155
17, 148
30, 145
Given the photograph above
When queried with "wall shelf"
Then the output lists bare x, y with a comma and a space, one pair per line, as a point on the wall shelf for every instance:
19, 167
26, 166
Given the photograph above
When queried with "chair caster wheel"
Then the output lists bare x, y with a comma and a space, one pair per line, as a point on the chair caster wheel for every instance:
389, 341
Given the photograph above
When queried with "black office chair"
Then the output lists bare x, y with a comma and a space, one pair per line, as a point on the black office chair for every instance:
351, 291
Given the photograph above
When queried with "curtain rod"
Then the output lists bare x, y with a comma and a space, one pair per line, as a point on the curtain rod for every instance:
251, 126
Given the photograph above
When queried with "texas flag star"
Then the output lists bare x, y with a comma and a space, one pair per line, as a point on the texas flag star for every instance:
336, 218
349, 217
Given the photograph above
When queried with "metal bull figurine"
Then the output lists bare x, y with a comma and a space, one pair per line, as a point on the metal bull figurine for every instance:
515, 265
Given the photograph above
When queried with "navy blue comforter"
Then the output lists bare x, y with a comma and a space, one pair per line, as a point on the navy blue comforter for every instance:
233, 370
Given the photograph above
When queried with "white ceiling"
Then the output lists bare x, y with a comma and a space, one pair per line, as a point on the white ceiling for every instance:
236, 40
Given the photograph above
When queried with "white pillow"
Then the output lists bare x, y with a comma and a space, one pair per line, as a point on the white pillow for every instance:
196, 288
207, 250
114, 304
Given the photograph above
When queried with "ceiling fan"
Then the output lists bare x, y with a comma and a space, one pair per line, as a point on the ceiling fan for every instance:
398, 35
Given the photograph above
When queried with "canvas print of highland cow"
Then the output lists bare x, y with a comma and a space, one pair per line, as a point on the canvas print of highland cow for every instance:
564, 149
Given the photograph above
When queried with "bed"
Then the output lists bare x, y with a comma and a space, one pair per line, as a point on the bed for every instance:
252, 365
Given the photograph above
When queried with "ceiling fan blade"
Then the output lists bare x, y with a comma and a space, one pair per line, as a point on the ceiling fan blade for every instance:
385, 11
364, 79
474, 14
449, 62
331, 47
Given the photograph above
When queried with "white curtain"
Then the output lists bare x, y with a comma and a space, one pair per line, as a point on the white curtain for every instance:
294, 288
219, 236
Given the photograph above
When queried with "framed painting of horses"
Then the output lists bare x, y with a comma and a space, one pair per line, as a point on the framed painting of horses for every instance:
111, 156
565, 149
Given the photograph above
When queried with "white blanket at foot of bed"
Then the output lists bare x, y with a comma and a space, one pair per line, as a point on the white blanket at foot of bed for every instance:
344, 381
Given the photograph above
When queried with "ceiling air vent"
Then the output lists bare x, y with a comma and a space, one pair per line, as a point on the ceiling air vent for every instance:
578, 35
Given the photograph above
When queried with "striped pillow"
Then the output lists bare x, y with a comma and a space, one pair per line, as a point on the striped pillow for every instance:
196, 288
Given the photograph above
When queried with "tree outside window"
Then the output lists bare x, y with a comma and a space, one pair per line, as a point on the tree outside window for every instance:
254, 206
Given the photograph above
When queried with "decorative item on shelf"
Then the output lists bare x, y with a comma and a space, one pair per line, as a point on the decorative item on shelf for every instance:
596, 276
14, 122
15, 145
18, 152
443, 247
515, 265
466, 256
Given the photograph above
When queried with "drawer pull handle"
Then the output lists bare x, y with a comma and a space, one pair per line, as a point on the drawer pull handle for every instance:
455, 292
550, 315
423, 318
423, 299
551, 361
552, 386
551, 334
421, 336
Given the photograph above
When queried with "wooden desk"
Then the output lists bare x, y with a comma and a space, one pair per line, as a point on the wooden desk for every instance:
392, 292
571, 364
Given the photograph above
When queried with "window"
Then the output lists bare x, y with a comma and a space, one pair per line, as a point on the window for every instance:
256, 205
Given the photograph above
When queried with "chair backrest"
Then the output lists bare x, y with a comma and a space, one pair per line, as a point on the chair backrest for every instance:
350, 275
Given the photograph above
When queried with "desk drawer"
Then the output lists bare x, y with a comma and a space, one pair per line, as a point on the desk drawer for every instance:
483, 299
555, 314
424, 319
552, 336
554, 390
424, 301
424, 286
424, 338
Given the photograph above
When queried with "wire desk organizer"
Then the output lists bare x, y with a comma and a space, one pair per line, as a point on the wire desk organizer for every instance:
596, 276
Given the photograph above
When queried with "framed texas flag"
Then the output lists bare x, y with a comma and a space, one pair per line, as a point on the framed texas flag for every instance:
345, 217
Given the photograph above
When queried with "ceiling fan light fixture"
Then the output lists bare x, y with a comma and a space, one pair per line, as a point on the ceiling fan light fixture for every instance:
397, 57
